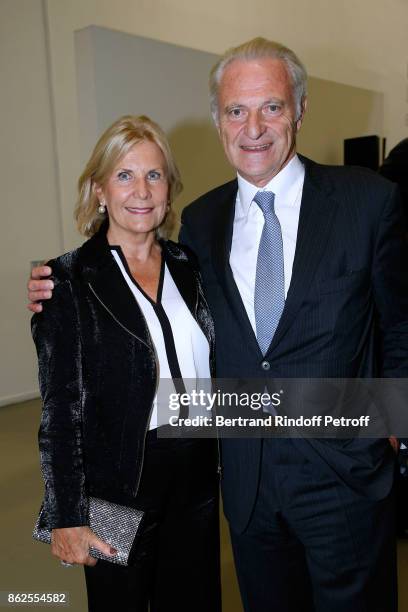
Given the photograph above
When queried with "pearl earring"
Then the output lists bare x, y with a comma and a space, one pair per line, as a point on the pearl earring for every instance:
102, 208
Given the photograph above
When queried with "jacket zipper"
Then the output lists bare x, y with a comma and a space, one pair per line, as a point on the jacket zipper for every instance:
136, 488
219, 468
152, 349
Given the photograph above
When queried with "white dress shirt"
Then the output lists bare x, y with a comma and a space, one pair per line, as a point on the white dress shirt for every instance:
287, 186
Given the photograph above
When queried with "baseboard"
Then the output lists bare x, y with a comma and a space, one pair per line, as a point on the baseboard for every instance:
19, 397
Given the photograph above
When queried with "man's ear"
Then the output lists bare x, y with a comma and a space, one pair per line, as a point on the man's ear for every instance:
216, 118
303, 107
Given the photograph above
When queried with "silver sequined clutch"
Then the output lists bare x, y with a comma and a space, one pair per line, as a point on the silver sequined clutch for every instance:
117, 525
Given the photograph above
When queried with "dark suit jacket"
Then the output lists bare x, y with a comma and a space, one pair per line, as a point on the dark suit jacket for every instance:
349, 279
98, 375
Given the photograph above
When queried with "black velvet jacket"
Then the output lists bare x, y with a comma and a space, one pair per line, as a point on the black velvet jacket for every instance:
98, 375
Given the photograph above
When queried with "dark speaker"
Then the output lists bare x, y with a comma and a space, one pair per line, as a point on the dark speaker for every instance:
362, 151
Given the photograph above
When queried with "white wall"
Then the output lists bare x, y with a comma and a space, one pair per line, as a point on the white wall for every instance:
29, 195
120, 73
363, 44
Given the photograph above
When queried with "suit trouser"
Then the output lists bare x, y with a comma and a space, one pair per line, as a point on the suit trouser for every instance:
313, 544
176, 563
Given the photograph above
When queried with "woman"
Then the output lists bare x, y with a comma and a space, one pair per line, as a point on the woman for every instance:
128, 310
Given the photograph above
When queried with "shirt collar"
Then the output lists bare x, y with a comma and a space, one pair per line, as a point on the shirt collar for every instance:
285, 185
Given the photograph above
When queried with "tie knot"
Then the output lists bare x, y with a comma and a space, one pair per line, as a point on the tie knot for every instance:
265, 201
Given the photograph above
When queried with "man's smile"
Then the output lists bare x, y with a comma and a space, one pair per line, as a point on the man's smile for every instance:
256, 148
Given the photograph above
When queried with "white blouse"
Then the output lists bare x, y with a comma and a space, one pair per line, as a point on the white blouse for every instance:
182, 349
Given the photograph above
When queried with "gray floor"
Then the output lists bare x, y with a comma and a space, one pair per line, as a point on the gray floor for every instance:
27, 566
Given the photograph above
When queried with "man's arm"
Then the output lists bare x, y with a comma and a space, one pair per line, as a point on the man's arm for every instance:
39, 288
390, 286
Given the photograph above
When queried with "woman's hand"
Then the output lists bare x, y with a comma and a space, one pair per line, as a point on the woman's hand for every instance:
72, 545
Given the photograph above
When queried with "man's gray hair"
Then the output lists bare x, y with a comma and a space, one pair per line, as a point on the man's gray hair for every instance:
254, 49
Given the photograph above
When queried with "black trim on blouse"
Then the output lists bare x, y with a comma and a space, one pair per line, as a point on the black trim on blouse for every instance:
167, 331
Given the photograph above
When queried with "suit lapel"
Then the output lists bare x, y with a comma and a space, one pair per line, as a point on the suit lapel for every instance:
221, 247
316, 217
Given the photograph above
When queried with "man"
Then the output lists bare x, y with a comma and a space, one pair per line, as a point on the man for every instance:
299, 261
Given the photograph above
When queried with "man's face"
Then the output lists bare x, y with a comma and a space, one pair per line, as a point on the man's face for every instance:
257, 118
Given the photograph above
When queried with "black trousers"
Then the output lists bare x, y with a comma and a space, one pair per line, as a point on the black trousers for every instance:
313, 544
176, 563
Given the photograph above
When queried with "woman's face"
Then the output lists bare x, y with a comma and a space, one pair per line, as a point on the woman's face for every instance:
136, 193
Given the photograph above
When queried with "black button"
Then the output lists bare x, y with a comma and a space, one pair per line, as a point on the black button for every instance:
266, 365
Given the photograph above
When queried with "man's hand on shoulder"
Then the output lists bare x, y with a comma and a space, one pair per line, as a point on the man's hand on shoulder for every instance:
39, 287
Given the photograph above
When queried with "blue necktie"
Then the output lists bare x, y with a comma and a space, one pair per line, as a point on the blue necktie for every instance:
269, 298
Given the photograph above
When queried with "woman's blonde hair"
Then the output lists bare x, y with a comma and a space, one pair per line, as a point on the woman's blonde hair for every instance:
111, 147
